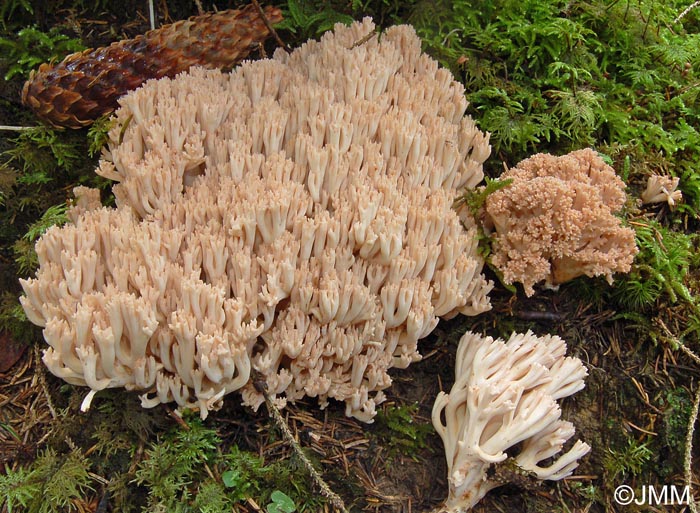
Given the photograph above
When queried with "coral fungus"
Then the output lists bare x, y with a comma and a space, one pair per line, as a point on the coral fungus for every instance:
504, 404
292, 217
556, 221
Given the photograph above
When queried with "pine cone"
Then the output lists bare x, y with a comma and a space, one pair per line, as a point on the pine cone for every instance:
86, 85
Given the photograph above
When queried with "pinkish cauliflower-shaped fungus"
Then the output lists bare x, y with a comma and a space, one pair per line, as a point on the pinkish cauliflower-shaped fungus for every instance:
505, 397
556, 221
292, 217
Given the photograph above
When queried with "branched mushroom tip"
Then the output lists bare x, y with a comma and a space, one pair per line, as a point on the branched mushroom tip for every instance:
505, 396
291, 218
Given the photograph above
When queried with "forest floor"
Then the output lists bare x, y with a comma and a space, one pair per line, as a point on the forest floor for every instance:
397, 466
634, 411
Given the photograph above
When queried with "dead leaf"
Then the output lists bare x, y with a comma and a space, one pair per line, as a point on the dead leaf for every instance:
10, 351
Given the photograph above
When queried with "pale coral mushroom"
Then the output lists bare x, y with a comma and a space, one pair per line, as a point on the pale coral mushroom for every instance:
662, 189
293, 217
556, 221
505, 397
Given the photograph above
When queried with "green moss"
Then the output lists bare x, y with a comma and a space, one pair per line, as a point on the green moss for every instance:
309, 19
627, 461
677, 406
17, 488
14, 321
31, 47
49, 485
564, 75
397, 429
659, 270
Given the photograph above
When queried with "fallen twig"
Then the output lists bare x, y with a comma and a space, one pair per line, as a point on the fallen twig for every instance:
267, 23
151, 15
363, 40
688, 459
686, 11
261, 386
687, 351
17, 128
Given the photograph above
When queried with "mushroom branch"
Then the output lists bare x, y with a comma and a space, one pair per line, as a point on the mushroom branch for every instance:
292, 217
505, 396
556, 221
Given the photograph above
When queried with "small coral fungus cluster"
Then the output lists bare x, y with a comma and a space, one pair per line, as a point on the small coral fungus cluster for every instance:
504, 397
294, 218
555, 221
